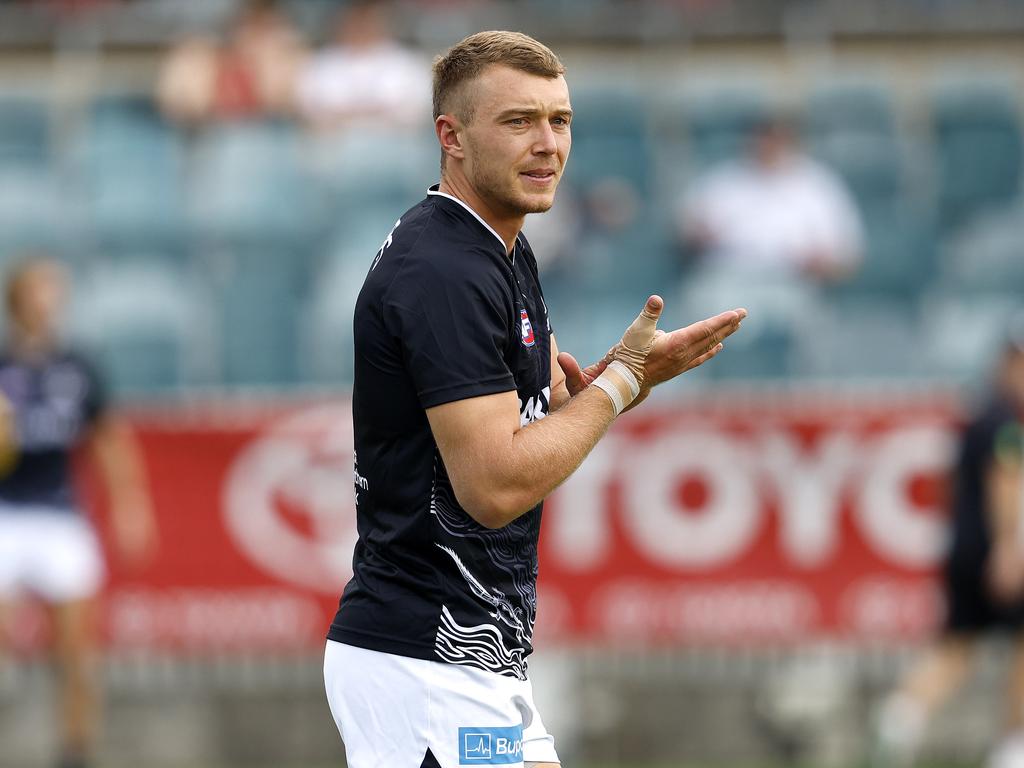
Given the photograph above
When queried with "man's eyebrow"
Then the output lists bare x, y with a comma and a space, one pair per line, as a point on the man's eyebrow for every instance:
562, 111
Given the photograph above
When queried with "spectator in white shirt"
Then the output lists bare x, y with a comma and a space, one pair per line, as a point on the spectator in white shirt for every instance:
364, 75
775, 209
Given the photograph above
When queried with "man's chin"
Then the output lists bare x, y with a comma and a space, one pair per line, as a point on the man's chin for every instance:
536, 203
541, 206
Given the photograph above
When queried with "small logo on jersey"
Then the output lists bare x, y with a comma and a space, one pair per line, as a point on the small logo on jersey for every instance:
527, 328
491, 746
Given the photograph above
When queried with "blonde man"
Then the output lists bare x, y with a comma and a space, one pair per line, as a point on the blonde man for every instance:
466, 417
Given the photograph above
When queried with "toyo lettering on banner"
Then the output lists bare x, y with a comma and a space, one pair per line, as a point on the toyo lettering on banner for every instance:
772, 522
753, 519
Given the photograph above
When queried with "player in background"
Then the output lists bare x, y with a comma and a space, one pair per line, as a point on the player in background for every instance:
52, 402
466, 417
983, 578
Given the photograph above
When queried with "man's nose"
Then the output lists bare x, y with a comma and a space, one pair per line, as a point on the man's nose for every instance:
545, 143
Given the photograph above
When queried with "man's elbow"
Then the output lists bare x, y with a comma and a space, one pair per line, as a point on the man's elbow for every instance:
493, 508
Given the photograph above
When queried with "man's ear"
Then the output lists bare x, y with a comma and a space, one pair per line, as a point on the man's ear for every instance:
449, 135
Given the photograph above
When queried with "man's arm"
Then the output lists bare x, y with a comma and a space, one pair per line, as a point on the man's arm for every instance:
119, 460
1003, 481
499, 469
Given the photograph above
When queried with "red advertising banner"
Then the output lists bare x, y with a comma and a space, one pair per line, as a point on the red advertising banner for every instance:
731, 519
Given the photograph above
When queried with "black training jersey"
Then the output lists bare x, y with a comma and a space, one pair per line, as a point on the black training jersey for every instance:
51, 403
444, 314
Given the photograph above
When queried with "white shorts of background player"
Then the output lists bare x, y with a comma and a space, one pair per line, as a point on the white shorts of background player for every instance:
51, 554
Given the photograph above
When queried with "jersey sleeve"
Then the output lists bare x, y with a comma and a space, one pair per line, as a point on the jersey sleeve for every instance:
453, 328
97, 397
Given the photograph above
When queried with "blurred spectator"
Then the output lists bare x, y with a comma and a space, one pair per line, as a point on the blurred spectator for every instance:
984, 574
364, 75
51, 402
775, 210
554, 235
251, 75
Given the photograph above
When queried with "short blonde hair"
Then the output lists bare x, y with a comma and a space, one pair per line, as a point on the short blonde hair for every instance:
469, 57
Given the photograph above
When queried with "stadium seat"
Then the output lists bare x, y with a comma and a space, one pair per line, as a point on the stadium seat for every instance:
633, 262
978, 148
32, 211
610, 111
358, 170
259, 293
861, 337
130, 174
719, 125
988, 255
610, 138
327, 321
869, 164
33, 214
848, 108
248, 184
25, 138
964, 332
900, 254
596, 159
147, 324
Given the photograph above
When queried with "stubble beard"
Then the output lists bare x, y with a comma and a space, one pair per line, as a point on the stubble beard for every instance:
512, 200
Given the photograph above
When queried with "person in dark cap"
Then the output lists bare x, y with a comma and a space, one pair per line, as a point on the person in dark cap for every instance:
983, 576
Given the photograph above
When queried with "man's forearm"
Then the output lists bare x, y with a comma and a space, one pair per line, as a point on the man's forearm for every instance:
1004, 485
539, 458
559, 397
119, 460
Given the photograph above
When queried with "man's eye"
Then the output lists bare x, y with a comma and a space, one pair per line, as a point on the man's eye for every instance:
517, 121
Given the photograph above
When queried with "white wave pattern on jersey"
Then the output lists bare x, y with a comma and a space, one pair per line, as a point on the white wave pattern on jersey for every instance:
480, 646
503, 610
499, 544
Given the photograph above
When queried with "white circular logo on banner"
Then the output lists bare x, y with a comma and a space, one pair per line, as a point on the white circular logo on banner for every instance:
289, 501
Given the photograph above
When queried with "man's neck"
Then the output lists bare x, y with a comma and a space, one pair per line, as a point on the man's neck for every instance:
26, 346
506, 228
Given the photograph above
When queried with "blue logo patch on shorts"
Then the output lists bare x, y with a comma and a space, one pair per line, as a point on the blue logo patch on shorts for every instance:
491, 746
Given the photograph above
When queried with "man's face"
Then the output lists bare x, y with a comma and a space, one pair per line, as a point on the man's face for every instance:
517, 139
40, 300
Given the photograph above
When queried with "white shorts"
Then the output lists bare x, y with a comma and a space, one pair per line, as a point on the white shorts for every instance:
52, 554
391, 710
